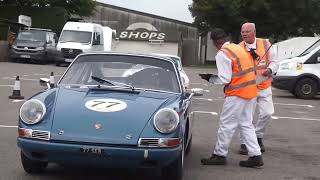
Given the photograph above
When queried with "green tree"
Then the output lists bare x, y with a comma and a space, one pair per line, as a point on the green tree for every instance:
78, 7
276, 19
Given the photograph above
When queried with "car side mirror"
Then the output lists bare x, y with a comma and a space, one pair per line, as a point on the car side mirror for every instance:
197, 91
318, 59
45, 82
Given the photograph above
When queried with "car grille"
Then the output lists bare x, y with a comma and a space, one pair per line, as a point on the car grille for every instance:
149, 142
70, 53
44, 135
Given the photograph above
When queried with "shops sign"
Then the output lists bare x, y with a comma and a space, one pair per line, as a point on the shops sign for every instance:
26, 20
142, 31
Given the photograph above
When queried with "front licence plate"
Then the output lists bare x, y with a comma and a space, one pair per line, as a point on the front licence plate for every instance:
25, 56
68, 60
91, 150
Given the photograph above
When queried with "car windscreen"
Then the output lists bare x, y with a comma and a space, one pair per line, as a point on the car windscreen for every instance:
137, 71
311, 48
76, 36
32, 35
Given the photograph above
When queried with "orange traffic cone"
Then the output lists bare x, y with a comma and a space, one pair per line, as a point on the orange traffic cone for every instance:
16, 94
51, 80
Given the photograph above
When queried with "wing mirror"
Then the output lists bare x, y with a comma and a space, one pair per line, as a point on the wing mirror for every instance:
45, 82
197, 91
318, 59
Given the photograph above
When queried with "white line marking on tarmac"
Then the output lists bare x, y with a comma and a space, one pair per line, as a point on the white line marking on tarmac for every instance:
18, 101
306, 119
6, 85
5, 126
25, 79
205, 112
302, 105
200, 84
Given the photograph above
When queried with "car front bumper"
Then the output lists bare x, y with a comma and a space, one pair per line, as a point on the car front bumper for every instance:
284, 82
111, 156
40, 55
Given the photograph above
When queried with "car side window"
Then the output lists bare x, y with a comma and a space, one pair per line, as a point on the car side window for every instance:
96, 39
314, 59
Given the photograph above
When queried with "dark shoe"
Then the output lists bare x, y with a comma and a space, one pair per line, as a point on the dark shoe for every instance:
252, 162
214, 160
243, 149
263, 149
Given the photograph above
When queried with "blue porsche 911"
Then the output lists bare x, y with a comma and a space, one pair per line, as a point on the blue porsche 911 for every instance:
114, 110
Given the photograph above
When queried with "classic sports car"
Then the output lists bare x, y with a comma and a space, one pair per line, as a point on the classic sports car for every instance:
103, 112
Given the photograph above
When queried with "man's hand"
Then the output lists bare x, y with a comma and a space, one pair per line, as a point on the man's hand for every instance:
205, 76
267, 72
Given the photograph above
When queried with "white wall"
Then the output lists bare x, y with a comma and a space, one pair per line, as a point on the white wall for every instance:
145, 47
294, 46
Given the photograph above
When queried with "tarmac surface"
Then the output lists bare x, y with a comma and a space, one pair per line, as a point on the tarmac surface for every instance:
292, 140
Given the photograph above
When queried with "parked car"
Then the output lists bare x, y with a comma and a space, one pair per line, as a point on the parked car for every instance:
183, 74
301, 75
97, 116
34, 45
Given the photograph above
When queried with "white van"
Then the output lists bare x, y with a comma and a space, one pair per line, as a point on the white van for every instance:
78, 37
301, 75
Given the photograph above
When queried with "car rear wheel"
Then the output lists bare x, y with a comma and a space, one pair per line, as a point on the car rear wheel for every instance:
175, 170
32, 166
306, 88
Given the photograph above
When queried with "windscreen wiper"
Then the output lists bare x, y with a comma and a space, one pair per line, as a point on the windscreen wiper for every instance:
113, 83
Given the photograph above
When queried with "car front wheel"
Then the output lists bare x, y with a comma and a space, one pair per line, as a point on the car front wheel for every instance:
175, 170
32, 166
306, 88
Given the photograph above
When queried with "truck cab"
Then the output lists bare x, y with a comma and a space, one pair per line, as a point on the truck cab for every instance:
301, 74
79, 37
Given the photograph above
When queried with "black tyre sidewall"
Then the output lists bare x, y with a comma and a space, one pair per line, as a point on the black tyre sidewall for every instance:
299, 85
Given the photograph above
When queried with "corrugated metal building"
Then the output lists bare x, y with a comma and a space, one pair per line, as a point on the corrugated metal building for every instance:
146, 33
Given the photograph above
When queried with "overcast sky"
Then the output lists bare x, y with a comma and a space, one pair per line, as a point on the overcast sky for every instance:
174, 9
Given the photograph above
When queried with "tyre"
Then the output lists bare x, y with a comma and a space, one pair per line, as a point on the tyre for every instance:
32, 166
306, 88
175, 170
188, 149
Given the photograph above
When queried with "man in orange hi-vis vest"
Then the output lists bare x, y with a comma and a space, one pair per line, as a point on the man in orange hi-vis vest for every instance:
263, 55
236, 73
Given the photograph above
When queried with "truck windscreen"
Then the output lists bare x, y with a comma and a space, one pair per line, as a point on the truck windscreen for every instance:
76, 36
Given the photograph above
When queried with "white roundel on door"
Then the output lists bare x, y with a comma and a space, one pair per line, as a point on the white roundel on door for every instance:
106, 105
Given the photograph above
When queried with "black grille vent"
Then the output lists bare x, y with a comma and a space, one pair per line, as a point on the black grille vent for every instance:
44, 135
70, 53
149, 142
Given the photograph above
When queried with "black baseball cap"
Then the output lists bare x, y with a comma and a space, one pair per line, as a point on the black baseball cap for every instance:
217, 33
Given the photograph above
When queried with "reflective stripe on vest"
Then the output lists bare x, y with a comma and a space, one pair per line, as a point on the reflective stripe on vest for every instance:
240, 85
240, 73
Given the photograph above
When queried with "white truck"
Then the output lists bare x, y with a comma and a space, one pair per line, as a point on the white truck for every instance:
301, 74
78, 37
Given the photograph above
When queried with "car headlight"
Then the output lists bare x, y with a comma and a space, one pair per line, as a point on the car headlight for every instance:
166, 120
32, 111
287, 66
40, 48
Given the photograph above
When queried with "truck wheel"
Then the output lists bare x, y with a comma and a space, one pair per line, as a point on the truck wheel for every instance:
306, 88
32, 166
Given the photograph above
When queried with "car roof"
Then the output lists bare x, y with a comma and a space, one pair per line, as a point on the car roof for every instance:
166, 55
128, 54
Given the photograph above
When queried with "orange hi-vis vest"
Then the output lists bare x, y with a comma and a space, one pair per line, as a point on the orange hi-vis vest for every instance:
261, 63
243, 81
